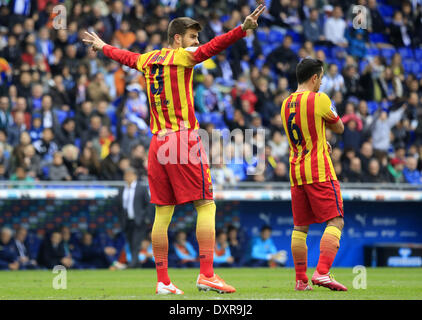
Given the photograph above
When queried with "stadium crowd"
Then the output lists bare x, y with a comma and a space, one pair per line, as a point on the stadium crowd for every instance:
22, 250
68, 113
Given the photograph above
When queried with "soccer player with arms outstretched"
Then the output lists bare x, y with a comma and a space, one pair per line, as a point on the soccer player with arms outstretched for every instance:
169, 76
315, 190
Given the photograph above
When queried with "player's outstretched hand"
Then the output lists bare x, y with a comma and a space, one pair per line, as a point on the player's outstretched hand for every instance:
94, 41
251, 21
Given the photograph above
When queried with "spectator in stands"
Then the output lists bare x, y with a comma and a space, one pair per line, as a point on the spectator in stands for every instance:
411, 173
395, 171
285, 60
49, 118
88, 165
6, 118
222, 253
208, 97
351, 82
102, 143
375, 174
354, 173
135, 107
185, 253
52, 252
14, 131
129, 139
98, 89
138, 159
264, 252
381, 129
25, 258
220, 173
56, 170
46, 147
333, 81
312, 29
335, 28
88, 255
93, 130
9, 259
352, 136
401, 31
146, 256
66, 134
110, 165
36, 128
365, 155
236, 246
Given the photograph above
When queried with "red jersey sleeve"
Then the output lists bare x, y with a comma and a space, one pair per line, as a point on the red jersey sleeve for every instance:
218, 44
125, 57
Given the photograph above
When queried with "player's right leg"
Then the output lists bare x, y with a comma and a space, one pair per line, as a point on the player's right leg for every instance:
330, 243
162, 195
302, 218
205, 234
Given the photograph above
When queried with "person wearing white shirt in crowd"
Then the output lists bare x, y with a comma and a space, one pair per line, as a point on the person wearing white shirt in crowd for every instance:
335, 27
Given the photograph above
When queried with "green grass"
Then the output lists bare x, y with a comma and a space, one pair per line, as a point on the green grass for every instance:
257, 283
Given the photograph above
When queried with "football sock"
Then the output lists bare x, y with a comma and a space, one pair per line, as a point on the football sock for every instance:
300, 254
205, 234
330, 242
159, 240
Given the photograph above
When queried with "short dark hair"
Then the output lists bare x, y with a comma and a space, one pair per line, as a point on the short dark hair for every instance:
180, 26
306, 68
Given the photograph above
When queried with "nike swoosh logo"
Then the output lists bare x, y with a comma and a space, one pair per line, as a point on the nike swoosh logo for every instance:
218, 284
171, 290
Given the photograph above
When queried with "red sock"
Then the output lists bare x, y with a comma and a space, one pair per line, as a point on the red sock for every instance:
205, 234
160, 243
328, 249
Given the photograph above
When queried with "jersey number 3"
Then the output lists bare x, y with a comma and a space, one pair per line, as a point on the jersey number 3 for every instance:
294, 128
157, 72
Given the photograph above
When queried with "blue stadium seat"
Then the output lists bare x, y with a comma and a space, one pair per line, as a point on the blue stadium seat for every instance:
337, 52
373, 51
408, 65
378, 38
295, 35
295, 47
362, 64
323, 48
266, 50
275, 36
406, 53
386, 10
262, 36
418, 54
388, 53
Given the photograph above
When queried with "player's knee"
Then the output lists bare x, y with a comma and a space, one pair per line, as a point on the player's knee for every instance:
200, 203
337, 222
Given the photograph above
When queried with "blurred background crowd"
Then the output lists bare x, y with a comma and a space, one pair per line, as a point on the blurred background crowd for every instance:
23, 250
67, 113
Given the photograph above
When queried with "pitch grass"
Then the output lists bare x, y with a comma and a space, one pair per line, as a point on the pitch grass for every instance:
256, 283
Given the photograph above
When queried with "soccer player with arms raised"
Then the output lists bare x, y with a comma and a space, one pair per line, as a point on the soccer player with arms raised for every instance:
169, 76
315, 190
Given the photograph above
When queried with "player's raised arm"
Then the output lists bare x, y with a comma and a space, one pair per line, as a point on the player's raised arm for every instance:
122, 56
222, 42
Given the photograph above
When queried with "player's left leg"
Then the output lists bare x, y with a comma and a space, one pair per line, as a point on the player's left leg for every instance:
300, 257
159, 238
327, 205
205, 234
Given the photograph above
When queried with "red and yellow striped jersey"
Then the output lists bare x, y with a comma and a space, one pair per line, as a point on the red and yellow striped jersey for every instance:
304, 115
169, 77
